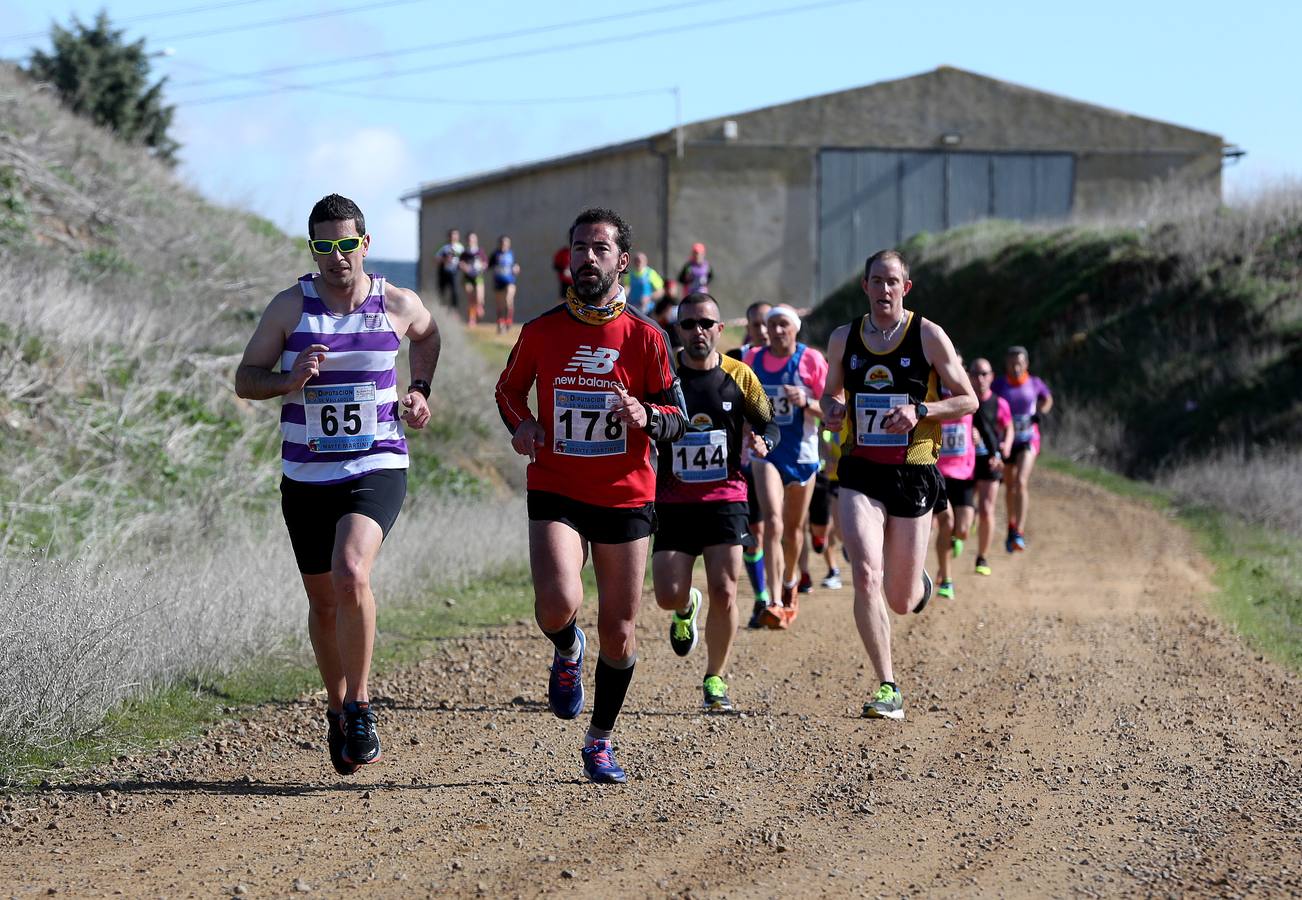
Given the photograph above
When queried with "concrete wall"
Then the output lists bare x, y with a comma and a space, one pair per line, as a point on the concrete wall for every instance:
754, 210
536, 210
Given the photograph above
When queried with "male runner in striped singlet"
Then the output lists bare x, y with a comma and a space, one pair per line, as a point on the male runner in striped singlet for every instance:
335, 336
606, 391
885, 370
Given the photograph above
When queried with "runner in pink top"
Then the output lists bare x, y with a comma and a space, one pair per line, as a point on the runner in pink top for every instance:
954, 509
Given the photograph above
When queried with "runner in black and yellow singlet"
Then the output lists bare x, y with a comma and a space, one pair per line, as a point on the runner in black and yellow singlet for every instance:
701, 494
885, 371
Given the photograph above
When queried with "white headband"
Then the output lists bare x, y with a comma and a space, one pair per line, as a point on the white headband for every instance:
787, 312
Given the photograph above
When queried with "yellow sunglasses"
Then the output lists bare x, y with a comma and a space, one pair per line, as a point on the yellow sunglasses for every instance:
322, 247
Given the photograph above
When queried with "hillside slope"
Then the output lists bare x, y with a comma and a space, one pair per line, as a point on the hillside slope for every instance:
1170, 341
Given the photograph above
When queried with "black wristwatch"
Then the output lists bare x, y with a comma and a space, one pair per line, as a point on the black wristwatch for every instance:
921, 409
652, 419
768, 442
419, 385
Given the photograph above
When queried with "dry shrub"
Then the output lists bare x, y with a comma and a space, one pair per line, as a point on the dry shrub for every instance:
1263, 486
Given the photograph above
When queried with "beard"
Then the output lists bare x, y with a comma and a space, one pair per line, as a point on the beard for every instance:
593, 293
700, 352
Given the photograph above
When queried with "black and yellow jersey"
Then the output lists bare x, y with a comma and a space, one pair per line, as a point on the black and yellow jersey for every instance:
704, 465
877, 382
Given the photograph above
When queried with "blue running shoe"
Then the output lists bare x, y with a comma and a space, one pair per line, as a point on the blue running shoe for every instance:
1019, 542
565, 686
600, 766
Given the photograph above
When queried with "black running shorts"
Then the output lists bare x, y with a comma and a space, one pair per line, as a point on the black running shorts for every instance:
820, 509
754, 515
907, 491
313, 510
959, 491
983, 472
596, 524
691, 527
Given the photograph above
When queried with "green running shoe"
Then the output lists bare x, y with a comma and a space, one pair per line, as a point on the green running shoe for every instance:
946, 589
956, 544
682, 629
715, 690
983, 567
885, 704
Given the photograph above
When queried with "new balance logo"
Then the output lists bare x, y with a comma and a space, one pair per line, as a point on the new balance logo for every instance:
597, 361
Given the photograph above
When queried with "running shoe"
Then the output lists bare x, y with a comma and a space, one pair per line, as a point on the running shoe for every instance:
682, 629
885, 704
757, 615
1010, 541
946, 589
833, 580
806, 585
600, 766
335, 741
715, 690
774, 616
982, 566
565, 686
361, 743
926, 592
1019, 542
956, 544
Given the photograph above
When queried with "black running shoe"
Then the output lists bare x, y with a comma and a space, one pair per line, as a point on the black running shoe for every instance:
756, 615
335, 740
806, 585
361, 743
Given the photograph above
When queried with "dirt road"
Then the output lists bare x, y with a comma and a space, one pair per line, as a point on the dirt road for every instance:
1077, 724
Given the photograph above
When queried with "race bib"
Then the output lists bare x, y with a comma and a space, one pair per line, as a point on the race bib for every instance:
1023, 429
869, 411
340, 417
584, 423
953, 439
784, 411
701, 456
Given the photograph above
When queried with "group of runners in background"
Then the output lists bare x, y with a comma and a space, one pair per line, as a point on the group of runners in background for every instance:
462, 268
717, 455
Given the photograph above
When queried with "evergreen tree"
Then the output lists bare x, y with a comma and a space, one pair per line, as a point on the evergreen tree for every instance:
100, 76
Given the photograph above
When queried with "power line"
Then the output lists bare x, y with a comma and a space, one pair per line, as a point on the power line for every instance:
322, 14
442, 45
591, 98
143, 17
514, 54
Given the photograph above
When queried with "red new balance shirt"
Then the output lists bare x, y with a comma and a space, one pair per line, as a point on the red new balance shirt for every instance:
589, 455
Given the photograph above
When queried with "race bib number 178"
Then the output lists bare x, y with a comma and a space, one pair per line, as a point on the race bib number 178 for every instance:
584, 424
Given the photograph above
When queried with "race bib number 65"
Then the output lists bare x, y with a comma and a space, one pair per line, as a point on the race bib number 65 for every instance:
869, 411
340, 417
584, 423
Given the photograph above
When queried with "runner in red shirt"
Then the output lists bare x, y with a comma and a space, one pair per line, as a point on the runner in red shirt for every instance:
606, 390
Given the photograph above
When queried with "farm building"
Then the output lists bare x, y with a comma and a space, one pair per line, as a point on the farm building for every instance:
789, 199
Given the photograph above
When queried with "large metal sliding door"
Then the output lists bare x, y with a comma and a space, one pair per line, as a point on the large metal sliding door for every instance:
871, 199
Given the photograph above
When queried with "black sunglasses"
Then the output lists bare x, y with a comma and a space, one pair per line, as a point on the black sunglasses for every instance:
703, 324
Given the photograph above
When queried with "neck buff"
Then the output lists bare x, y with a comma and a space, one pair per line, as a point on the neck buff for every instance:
594, 315
1015, 381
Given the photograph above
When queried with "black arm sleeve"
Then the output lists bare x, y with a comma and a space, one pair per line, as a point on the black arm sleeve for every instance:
988, 435
673, 414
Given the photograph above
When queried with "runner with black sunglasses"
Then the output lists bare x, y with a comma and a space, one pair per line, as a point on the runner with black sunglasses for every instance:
701, 495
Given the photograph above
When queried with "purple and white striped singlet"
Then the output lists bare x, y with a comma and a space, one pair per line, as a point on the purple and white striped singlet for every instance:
352, 403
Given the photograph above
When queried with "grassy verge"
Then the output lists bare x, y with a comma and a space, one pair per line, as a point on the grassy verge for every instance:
406, 633
1258, 570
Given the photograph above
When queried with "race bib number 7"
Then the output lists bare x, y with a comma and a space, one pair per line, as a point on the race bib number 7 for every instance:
869, 411
340, 417
584, 423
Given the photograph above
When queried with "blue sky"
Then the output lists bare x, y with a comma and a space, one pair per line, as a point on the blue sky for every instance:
372, 129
